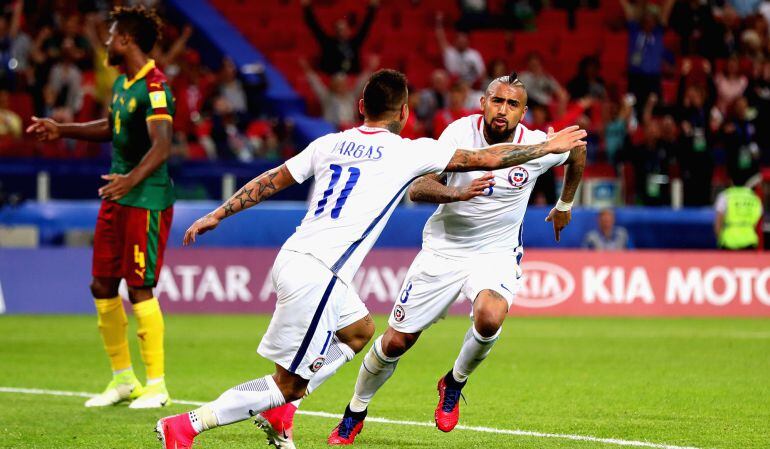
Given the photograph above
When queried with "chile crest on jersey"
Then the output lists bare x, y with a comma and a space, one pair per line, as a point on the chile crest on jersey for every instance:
518, 176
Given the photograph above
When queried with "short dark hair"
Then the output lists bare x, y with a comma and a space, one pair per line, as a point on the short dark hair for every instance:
142, 24
385, 92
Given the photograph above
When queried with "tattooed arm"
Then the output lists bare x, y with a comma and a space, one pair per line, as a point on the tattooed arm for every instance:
572, 176
255, 191
432, 189
505, 155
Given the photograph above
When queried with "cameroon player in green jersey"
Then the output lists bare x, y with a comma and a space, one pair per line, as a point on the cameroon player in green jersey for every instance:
137, 205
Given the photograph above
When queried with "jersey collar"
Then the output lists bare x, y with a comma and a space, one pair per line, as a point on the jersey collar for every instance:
370, 130
140, 74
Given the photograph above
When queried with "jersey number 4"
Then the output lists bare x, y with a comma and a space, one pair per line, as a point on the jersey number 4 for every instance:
353, 174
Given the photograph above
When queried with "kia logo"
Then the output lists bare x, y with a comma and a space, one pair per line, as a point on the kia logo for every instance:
544, 285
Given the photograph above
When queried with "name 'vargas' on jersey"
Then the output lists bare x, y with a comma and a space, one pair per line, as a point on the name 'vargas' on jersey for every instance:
489, 224
360, 176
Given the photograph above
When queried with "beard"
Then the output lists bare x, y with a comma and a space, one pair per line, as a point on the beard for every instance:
114, 59
497, 135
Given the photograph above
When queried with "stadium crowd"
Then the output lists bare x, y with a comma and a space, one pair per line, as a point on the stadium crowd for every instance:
52, 64
677, 91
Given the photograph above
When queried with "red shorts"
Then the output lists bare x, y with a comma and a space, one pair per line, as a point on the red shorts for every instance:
129, 243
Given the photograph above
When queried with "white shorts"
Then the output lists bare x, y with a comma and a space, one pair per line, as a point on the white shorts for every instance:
433, 283
312, 305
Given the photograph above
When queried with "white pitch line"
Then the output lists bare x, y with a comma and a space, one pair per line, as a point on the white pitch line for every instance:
525, 433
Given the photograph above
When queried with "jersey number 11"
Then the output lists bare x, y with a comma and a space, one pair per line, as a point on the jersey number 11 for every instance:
354, 173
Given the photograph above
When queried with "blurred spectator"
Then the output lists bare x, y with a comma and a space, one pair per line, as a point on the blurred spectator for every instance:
738, 211
15, 46
758, 94
694, 106
646, 52
738, 137
338, 101
433, 98
539, 117
231, 87
228, 132
460, 60
192, 86
587, 81
473, 15
495, 69
745, 8
340, 52
520, 14
10, 122
542, 88
65, 83
617, 127
694, 22
764, 10
455, 108
71, 37
607, 237
730, 84
414, 127
651, 156
97, 33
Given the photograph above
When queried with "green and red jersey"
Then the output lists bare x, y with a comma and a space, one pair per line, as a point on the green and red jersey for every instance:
145, 97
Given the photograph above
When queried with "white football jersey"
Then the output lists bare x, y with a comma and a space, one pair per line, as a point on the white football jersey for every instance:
360, 176
490, 224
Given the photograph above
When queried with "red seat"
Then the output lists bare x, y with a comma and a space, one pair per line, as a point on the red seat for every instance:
551, 19
587, 19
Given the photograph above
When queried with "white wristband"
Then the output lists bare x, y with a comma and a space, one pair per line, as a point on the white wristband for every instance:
562, 206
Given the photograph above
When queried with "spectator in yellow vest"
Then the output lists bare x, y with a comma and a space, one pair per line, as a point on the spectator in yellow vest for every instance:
738, 211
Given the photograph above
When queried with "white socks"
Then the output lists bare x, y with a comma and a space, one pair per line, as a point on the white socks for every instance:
244, 401
339, 354
474, 350
203, 419
249, 398
376, 369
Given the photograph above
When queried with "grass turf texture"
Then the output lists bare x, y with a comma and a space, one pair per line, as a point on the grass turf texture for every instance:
688, 382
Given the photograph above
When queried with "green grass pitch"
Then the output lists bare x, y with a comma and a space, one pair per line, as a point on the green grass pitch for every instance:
702, 383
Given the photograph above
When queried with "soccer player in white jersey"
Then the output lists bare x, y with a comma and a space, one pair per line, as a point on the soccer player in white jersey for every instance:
320, 322
472, 246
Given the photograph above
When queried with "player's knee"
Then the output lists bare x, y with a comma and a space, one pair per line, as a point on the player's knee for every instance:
136, 295
395, 343
488, 322
292, 387
103, 288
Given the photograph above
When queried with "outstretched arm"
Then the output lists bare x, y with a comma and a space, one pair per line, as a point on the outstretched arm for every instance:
312, 22
431, 189
371, 11
505, 155
46, 129
628, 10
562, 213
254, 192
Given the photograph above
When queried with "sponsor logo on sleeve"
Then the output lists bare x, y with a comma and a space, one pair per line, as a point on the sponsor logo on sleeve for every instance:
158, 99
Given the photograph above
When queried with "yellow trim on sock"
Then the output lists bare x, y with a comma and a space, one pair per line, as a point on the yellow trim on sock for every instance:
112, 322
150, 329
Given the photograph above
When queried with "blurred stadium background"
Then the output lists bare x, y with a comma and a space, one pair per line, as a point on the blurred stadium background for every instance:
675, 95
